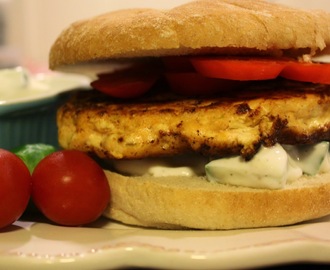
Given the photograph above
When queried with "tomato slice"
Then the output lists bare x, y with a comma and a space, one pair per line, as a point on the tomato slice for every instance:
307, 72
242, 69
124, 84
207, 75
195, 84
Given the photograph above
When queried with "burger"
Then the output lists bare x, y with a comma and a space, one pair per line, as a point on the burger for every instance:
212, 115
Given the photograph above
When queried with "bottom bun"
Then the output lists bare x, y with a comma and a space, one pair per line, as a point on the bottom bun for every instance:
193, 202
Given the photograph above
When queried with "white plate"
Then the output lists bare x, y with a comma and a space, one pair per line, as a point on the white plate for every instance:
108, 245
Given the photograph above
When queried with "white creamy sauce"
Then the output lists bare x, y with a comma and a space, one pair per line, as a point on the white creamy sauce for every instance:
185, 165
18, 85
13, 81
271, 168
310, 158
325, 165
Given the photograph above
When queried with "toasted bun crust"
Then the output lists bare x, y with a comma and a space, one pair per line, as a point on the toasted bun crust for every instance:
208, 26
183, 202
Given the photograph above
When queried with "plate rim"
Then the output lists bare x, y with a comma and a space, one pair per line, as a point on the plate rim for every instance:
127, 253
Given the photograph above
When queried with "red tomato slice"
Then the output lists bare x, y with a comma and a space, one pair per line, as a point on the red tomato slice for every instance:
125, 84
307, 72
192, 84
242, 69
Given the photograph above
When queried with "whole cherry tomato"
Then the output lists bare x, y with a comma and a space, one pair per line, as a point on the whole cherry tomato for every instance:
70, 188
15, 187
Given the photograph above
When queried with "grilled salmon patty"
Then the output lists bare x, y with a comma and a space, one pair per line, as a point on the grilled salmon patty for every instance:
162, 124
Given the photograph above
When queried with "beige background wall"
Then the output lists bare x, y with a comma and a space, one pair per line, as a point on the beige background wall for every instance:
34, 24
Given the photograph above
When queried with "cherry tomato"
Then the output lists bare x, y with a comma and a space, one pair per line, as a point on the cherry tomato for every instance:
126, 83
307, 72
15, 187
70, 188
194, 84
242, 69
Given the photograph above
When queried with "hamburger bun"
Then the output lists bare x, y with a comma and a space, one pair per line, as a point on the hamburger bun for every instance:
110, 128
198, 27
194, 202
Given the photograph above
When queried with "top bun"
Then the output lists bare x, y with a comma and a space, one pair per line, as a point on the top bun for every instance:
198, 27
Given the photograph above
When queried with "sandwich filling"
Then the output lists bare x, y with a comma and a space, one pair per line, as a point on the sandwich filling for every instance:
260, 122
261, 136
